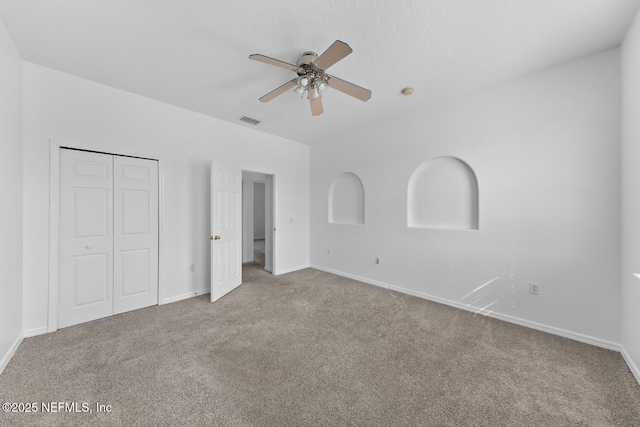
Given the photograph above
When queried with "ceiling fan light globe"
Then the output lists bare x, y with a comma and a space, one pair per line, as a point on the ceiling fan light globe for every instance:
300, 91
303, 81
314, 93
322, 87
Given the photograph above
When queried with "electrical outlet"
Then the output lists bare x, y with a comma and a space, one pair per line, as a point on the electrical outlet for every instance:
192, 268
534, 288
328, 251
377, 260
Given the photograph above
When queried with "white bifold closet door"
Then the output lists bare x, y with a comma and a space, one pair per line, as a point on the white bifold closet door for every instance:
108, 235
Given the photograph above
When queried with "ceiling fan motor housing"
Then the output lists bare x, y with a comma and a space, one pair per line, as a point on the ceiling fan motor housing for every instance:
307, 58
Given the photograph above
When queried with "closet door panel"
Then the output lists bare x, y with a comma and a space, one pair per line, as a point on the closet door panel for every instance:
135, 233
85, 282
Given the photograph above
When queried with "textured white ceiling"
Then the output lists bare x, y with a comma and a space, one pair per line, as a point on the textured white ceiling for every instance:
194, 53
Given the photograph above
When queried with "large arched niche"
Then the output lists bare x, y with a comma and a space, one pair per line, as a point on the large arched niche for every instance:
346, 200
443, 194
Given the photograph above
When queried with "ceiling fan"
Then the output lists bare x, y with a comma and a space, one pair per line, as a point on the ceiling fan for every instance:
312, 79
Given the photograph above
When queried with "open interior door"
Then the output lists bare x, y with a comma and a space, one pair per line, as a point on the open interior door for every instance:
226, 229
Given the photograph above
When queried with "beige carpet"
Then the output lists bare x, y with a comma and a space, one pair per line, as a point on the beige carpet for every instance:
310, 348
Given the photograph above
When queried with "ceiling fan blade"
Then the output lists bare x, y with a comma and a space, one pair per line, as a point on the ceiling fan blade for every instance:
276, 62
279, 91
333, 54
349, 88
316, 106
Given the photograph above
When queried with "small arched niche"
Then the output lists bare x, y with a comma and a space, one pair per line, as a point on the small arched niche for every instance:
443, 194
346, 200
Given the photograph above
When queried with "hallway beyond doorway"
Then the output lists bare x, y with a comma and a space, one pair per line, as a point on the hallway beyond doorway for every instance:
258, 251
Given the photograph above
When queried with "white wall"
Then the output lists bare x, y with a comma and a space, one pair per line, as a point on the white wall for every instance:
258, 210
546, 152
70, 110
10, 197
630, 53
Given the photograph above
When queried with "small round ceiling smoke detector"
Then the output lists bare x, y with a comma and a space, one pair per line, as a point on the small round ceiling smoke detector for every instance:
407, 91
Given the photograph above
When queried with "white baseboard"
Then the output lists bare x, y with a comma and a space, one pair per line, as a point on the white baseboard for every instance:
35, 331
632, 366
9, 354
185, 296
291, 270
478, 310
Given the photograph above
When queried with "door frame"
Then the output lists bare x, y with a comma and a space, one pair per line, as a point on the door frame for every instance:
54, 220
274, 216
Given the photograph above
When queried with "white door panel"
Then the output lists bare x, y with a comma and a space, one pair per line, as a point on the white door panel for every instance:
226, 232
86, 250
135, 233
91, 279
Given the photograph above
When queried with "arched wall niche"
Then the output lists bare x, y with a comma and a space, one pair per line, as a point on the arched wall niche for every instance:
443, 194
346, 200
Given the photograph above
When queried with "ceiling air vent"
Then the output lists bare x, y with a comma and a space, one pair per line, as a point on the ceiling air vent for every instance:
249, 120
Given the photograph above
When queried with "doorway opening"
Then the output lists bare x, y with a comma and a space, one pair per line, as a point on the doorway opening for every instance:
258, 219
